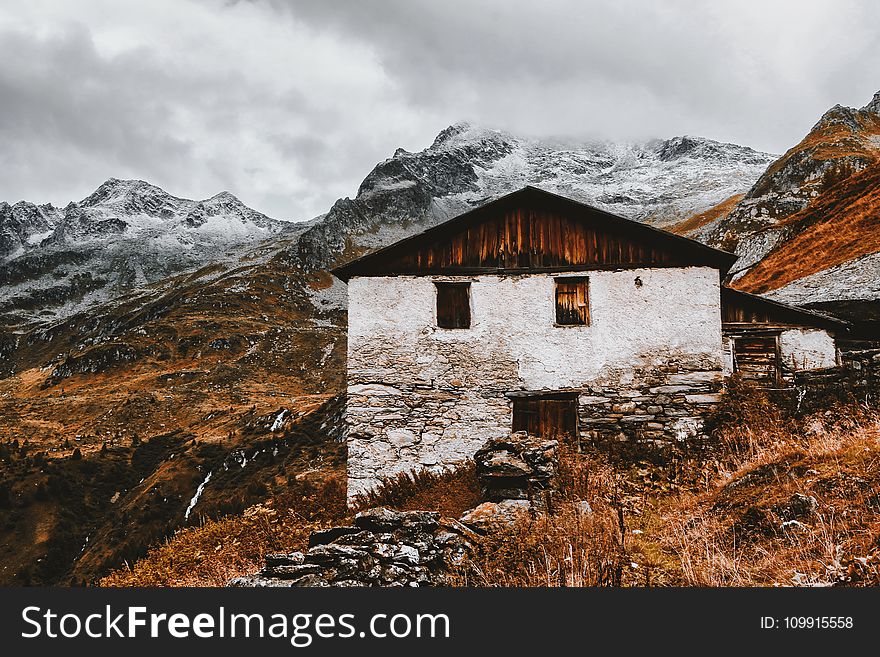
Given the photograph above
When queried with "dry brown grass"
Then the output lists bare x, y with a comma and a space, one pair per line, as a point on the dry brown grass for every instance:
581, 544
218, 550
569, 548
450, 492
730, 518
839, 226
706, 217
745, 530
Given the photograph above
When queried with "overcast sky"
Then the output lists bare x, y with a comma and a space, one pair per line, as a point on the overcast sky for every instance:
288, 105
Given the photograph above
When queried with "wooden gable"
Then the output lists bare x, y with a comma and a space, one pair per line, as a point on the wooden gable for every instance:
740, 309
533, 231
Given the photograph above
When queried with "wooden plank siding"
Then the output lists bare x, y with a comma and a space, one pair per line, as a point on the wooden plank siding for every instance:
572, 301
741, 310
524, 240
756, 358
453, 305
534, 231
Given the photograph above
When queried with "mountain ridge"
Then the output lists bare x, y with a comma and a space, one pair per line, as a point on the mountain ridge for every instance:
126, 234
658, 181
843, 143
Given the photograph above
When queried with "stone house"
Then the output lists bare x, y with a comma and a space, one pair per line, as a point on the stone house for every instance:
536, 312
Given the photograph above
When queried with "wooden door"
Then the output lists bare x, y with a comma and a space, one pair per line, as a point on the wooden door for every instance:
756, 359
546, 416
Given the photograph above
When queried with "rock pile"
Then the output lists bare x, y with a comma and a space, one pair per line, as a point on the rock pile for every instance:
517, 475
419, 548
382, 548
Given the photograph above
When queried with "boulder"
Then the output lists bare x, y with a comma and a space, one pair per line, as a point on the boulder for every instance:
490, 517
518, 466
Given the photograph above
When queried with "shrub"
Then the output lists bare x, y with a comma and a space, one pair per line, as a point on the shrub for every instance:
569, 548
742, 404
450, 492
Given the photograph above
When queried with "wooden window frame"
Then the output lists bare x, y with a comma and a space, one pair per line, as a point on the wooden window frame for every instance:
453, 322
584, 308
776, 380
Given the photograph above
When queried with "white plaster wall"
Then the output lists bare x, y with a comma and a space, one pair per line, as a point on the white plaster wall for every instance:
422, 396
807, 349
674, 313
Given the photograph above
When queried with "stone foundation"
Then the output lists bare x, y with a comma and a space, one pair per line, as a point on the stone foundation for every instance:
398, 429
395, 430
659, 409
857, 378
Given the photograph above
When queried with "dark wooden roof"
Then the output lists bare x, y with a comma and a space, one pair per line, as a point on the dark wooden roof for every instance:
532, 230
743, 308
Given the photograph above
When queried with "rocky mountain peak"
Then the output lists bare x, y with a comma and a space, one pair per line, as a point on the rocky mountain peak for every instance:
116, 190
225, 197
677, 147
447, 135
467, 165
874, 105
124, 234
839, 115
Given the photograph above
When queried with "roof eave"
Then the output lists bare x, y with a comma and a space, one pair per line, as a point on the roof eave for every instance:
722, 260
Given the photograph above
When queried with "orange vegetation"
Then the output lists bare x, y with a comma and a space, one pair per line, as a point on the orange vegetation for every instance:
830, 141
706, 217
838, 226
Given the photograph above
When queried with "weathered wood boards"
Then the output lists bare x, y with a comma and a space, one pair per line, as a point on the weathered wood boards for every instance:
572, 302
756, 358
532, 230
453, 305
550, 416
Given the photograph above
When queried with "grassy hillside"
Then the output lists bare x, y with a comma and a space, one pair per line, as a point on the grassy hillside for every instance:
838, 226
770, 500
111, 421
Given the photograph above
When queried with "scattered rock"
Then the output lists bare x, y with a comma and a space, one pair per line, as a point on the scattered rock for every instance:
794, 525
799, 507
383, 548
583, 508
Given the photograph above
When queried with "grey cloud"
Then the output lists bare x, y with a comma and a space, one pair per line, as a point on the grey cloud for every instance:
619, 68
289, 103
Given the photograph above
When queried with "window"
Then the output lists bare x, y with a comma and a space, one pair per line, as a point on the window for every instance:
453, 305
572, 301
546, 416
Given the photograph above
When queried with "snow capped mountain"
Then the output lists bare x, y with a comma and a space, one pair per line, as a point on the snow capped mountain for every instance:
24, 225
660, 181
126, 234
